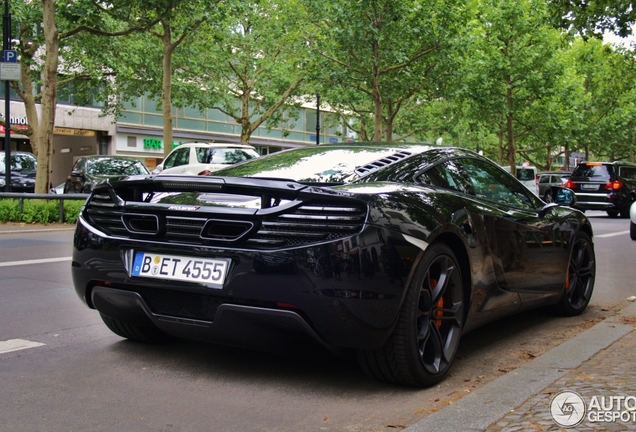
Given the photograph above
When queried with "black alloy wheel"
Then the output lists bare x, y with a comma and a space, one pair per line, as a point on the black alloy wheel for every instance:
424, 342
581, 276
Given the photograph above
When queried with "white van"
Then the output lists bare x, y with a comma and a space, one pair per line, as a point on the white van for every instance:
528, 176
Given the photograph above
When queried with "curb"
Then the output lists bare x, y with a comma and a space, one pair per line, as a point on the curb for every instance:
488, 404
16, 229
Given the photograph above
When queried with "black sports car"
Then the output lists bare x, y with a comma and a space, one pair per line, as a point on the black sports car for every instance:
391, 251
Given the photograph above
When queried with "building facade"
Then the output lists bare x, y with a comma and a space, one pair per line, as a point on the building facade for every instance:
138, 131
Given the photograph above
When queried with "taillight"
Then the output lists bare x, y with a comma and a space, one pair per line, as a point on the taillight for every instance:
570, 184
204, 172
614, 185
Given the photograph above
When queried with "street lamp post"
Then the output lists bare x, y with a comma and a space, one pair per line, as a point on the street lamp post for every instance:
6, 45
317, 119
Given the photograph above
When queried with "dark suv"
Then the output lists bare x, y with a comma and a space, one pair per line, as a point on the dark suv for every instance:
609, 186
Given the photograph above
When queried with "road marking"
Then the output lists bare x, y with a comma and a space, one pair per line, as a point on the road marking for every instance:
17, 345
37, 261
612, 234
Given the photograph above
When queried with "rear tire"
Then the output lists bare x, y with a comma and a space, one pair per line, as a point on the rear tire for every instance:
581, 276
632, 230
612, 213
151, 335
424, 342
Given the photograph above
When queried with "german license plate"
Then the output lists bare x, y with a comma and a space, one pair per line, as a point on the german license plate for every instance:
175, 267
589, 186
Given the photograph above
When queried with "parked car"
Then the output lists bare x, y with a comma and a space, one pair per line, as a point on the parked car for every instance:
87, 171
198, 158
527, 175
548, 179
433, 241
632, 221
23, 168
59, 189
608, 186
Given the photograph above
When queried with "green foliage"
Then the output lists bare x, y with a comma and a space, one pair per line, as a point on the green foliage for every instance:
38, 211
593, 17
500, 75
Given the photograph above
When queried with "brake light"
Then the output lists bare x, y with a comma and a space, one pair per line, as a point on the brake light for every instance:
570, 184
594, 164
204, 172
614, 185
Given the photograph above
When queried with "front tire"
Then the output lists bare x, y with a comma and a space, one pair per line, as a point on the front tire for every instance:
424, 342
632, 230
581, 276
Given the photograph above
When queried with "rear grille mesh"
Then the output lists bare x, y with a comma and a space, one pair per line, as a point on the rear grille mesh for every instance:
315, 221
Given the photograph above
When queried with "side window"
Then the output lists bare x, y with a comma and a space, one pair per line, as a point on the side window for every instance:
447, 175
493, 184
77, 166
525, 174
628, 173
204, 154
177, 158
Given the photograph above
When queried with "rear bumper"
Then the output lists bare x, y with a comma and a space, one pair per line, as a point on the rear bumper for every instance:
238, 325
355, 308
590, 201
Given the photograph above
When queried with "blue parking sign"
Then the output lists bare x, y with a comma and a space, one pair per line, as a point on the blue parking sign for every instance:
10, 56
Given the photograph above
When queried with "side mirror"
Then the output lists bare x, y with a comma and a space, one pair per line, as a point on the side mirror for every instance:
77, 173
158, 169
563, 196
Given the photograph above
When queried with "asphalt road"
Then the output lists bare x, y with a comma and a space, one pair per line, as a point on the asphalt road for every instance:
72, 374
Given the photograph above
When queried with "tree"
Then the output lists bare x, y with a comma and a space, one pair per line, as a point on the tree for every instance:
44, 32
512, 66
381, 57
609, 81
591, 18
251, 66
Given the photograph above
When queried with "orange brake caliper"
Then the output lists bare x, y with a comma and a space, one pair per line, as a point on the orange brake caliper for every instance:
439, 305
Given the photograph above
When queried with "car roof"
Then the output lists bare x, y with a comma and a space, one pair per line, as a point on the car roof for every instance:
131, 158
339, 162
555, 172
214, 145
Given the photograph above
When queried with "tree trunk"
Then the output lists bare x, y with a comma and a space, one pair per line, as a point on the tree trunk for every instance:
42, 138
166, 89
377, 106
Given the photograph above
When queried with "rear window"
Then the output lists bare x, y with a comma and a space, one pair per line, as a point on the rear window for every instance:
598, 172
525, 174
20, 162
225, 156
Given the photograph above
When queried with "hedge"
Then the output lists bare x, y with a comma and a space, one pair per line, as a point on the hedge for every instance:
35, 211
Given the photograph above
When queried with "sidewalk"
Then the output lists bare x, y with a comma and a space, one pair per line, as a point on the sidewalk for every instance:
597, 364
16, 227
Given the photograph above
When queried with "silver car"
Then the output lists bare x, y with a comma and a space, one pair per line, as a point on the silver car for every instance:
547, 179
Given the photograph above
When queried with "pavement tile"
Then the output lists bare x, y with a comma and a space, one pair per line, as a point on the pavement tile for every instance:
611, 372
